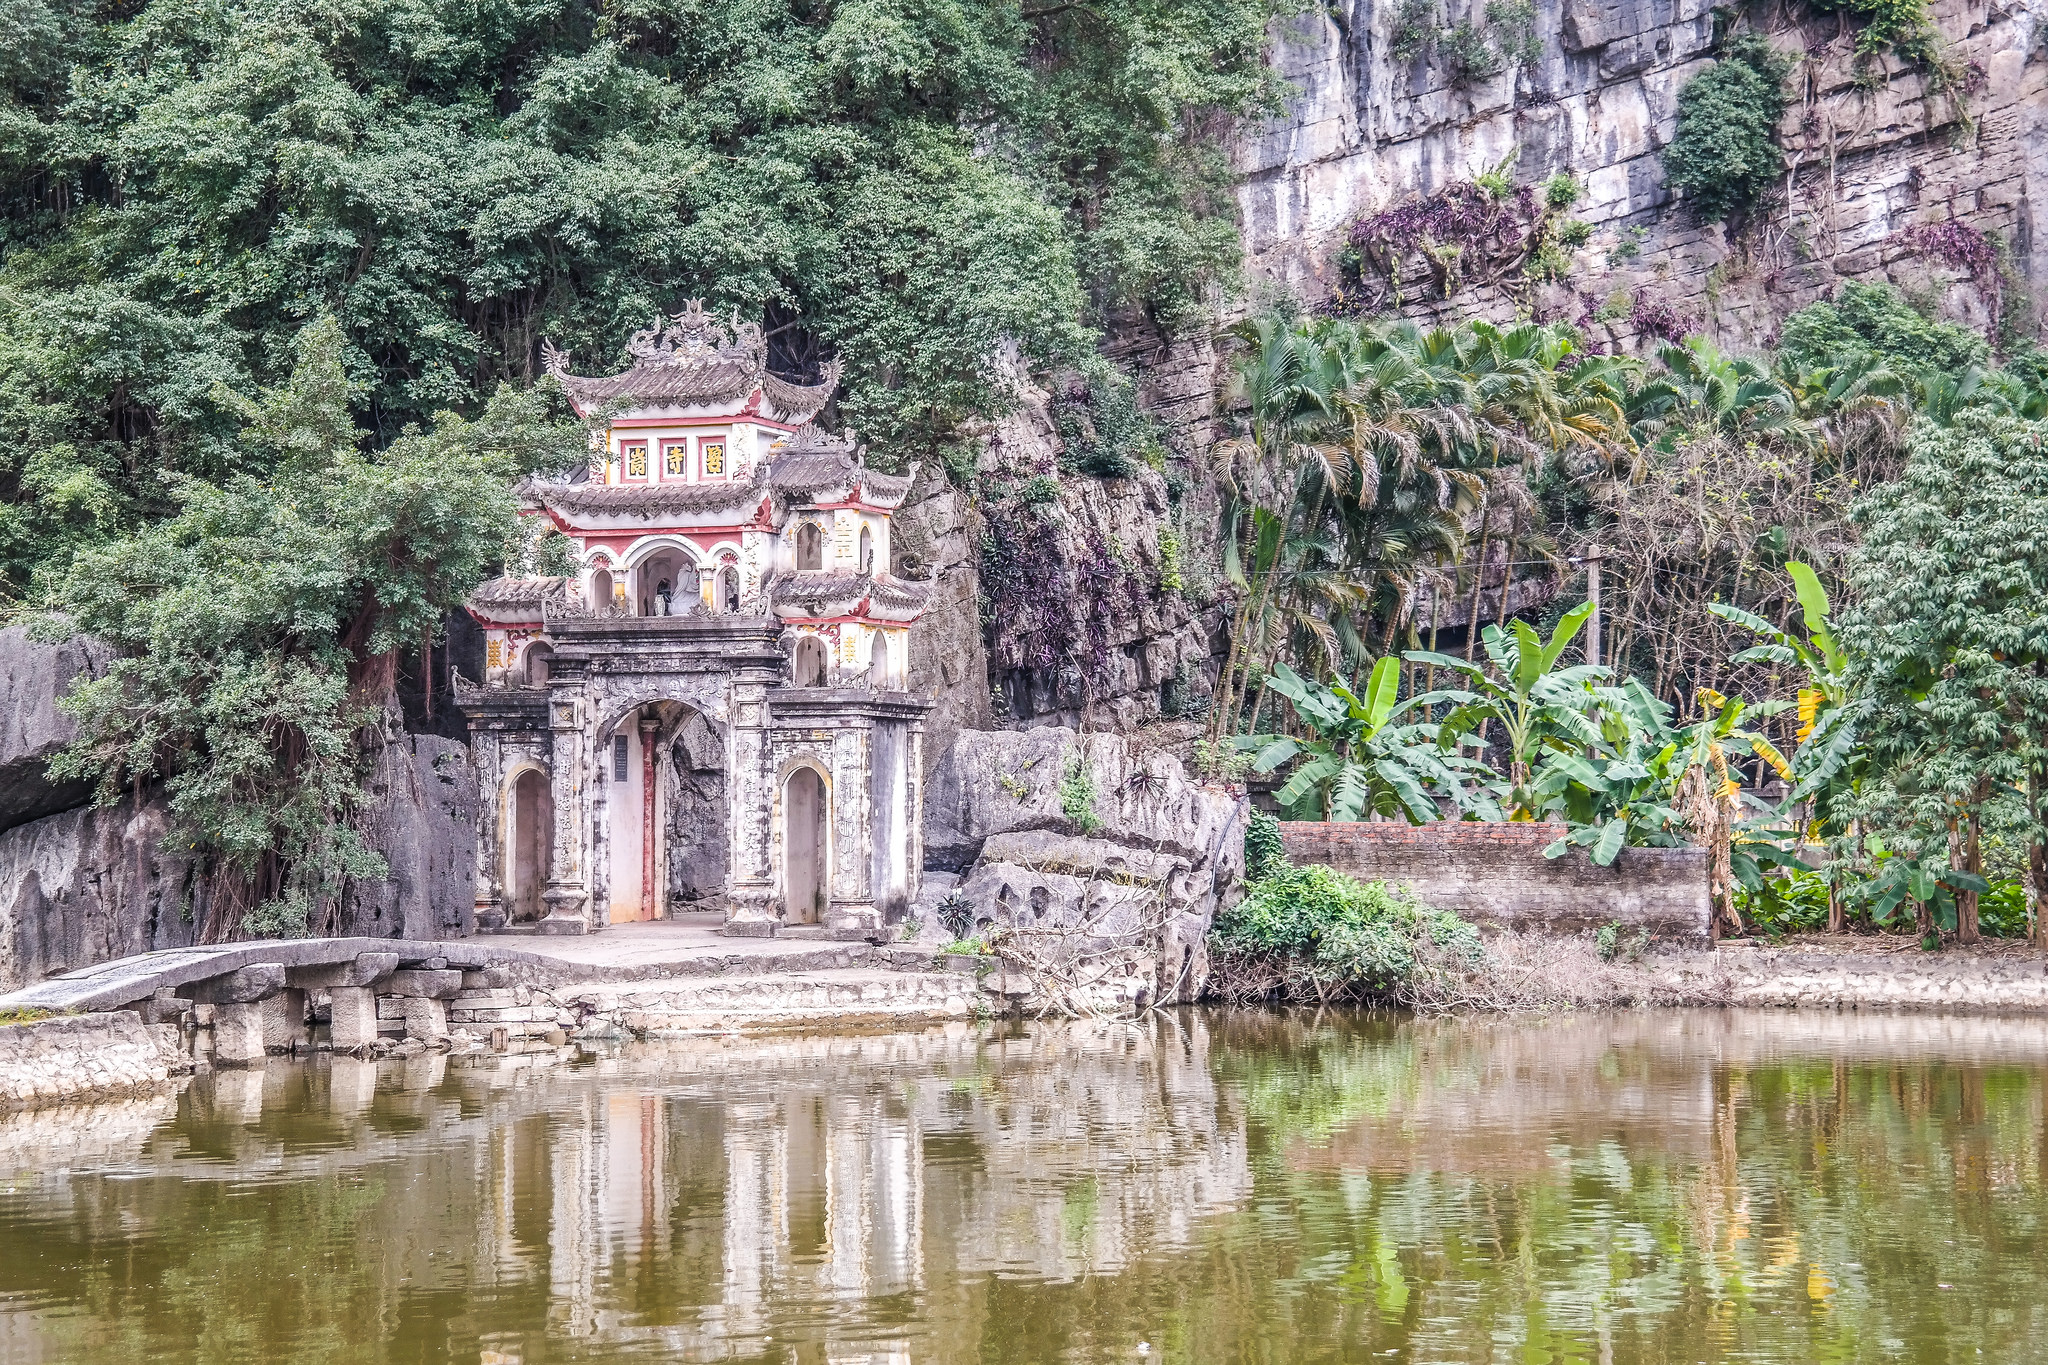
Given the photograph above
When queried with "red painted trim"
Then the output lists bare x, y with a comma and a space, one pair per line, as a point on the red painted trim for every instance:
491, 623
747, 415
858, 618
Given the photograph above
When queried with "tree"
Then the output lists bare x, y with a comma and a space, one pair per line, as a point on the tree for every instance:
258, 628
920, 187
1947, 643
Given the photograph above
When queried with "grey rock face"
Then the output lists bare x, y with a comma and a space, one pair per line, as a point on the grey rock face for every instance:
421, 816
90, 885
1046, 827
32, 730
1362, 131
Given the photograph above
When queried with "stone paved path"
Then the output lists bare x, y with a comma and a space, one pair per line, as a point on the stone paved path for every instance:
689, 945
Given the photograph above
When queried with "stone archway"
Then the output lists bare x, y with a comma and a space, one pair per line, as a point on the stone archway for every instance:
529, 844
663, 795
806, 847
807, 663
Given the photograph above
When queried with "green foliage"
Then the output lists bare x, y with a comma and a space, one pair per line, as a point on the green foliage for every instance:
1038, 490
1077, 795
1414, 28
1904, 26
1562, 191
1724, 153
1346, 934
1538, 705
1170, 579
1102, 430
257, 627
1355, 759
1264, 854
287, 916
1944, 639
917, 185
1874, 321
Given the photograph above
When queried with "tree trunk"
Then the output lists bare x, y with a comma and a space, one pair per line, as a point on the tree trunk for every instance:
2037, 857
1967, 930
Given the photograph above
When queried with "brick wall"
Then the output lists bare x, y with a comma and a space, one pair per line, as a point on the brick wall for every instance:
1497, 874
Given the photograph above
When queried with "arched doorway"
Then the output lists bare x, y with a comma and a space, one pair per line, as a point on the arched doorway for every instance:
529, 845
539, 658
804, 847
601, 591
729, 589
810, 553
664, 578
867, 551
808, 665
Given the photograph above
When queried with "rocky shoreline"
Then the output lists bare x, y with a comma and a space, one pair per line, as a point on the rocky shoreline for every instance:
94, 1057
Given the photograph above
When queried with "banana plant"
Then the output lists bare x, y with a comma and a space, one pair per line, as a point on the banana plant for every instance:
1540, 707
1620, 795
1358, 756
1828, 760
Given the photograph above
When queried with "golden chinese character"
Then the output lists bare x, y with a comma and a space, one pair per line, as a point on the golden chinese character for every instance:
636, 462
494, 654
714, 457
674, 454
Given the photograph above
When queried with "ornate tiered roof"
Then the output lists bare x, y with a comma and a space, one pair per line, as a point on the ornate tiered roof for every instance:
813, 462
692, 359
836, 592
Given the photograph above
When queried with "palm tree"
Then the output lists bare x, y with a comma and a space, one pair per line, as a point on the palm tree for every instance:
1699, 388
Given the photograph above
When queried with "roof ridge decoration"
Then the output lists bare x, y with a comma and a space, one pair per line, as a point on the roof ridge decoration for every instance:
692, 357
693, 337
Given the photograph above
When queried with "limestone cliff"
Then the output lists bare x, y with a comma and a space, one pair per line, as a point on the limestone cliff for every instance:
1871, 151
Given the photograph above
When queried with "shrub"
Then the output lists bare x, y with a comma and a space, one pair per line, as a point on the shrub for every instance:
1725, 152
1077, 795
1263, 852
1875, 321
1561, 191
1414, 28
1312, 932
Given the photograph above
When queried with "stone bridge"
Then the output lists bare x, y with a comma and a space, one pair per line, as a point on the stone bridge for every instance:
264, 995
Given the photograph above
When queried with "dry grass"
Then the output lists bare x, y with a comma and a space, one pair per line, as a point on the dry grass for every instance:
1519, 974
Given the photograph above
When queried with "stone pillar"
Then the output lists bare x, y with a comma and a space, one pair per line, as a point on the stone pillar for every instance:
753, 910
353, 1017
650, 899
426, 1020
488, 771
284, 1022
850, 908
913, 810
567, 895
238, 1034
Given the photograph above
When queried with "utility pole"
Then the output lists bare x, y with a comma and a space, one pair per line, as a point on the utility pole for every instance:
1591, 559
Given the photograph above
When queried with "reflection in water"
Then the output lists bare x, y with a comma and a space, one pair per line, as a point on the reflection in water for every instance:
1219, 1187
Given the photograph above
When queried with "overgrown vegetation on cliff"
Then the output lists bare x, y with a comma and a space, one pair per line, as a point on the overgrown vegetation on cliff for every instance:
1724, 153
259, 627
914, 185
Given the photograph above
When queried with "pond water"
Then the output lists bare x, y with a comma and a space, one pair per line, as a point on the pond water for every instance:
1205, 1187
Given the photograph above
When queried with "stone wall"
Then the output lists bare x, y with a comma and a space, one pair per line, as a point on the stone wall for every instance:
1496, 874
1872, 152
85, 1056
